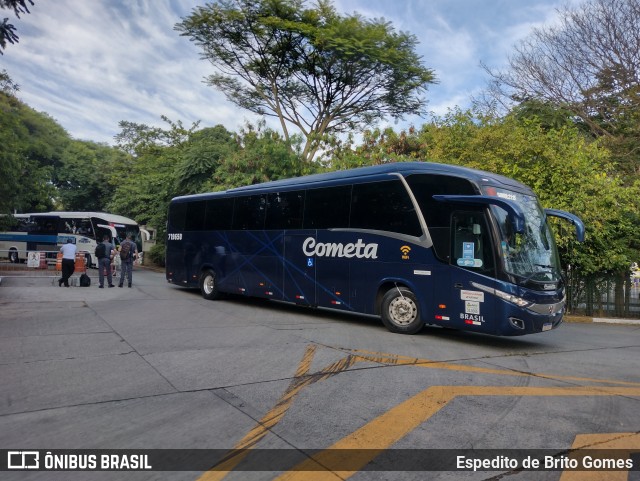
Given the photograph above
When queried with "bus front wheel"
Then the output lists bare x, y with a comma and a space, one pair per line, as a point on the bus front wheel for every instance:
400, 311
13, 256
209, 286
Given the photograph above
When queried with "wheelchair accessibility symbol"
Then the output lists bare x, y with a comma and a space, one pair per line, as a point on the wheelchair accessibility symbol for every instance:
310, 262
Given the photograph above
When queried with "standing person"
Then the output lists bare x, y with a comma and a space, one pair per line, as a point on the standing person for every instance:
128, 252
104, 255
68, 262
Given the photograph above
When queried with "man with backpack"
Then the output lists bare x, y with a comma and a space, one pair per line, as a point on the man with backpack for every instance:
104, 253
128, 253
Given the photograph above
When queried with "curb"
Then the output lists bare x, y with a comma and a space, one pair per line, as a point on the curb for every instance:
601, 320
617, 321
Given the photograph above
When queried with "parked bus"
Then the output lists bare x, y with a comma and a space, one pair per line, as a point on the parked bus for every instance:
414, 243
13, 243
48, 231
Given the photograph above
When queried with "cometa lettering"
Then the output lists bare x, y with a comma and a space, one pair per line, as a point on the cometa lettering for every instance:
359, 249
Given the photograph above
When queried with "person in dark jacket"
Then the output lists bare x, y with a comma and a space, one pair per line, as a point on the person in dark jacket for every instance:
104, 263
128, 253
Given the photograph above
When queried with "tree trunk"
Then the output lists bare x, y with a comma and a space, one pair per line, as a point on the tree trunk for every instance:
619, 294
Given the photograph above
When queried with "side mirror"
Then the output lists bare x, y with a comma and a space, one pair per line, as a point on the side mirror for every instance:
574, 219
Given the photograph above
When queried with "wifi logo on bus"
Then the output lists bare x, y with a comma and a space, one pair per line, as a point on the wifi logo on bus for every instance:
405, 252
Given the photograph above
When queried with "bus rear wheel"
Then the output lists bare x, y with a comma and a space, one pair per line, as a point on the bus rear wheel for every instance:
13, 256
209, 285
400, 311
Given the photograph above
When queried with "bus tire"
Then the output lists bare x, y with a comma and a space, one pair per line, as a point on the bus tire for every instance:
400, 312
209, 285
13, 256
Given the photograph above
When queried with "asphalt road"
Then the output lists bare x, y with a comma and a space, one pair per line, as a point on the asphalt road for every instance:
158, 367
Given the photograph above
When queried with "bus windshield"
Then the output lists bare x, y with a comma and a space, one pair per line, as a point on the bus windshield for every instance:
530, 256
121, 229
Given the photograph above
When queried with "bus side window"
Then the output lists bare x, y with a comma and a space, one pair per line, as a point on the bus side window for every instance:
471, 243
177, 214
384, 206
327, 208
219, 214
284, 210
249, 212
194, 219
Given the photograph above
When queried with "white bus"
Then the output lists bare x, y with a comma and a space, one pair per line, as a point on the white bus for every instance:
49, 230
13, 243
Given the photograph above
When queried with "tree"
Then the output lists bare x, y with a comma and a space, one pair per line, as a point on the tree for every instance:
7, 85
83, 176
144, 181
566, 170
201, 157
309, 67
7, 30
588, 64
31, 149
261, 155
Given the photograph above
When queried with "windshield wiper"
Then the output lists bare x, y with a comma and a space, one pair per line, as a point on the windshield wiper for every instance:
548, 270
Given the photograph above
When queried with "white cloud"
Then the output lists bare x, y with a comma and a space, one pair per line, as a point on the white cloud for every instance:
92, 64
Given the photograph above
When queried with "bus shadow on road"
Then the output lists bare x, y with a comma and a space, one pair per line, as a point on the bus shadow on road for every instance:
373, 322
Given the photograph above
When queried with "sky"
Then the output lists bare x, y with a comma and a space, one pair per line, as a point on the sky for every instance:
90, 64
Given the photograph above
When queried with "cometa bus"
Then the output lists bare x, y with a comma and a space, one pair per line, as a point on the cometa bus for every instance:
415, 243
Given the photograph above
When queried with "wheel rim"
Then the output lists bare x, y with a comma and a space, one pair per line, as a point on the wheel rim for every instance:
13, 257
403, 311
208, 284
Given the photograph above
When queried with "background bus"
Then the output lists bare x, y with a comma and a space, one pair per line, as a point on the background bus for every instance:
13, 242
415, 243
48, 231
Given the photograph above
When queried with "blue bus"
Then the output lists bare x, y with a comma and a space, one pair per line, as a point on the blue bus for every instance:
415, 243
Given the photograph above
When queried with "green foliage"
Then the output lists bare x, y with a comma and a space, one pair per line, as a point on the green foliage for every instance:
201, 156
170, 162
261, 155
566, 170
31, 148
82, 178
7, 30
309, 66
156, 255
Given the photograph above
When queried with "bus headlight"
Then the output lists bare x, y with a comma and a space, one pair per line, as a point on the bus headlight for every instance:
518, 301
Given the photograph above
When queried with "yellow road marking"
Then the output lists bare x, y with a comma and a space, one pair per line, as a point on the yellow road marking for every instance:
267, 422
388, 428
624, 443
383, 431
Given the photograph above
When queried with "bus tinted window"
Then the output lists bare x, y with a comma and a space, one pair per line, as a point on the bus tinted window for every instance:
284, 210
437, 215
177, 214
46, 224
384, 206
194, 219
327, 208
424, 187
249, 212
219, 214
